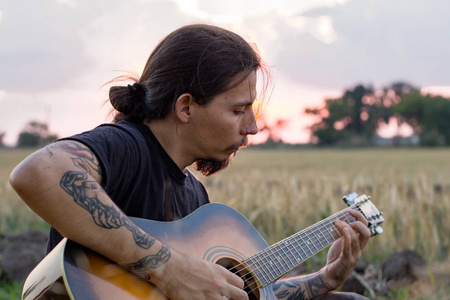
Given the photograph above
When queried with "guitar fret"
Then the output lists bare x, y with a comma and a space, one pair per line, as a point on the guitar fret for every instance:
301, 251
322, 232
314, 242
282, 260
269, 265
331, 236
255, 264
287, 254
291, 256
263, 267
274, 263
307, 246
288, 257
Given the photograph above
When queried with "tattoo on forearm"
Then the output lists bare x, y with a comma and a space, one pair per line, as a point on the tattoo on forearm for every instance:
85, 193
304, 287
316, 285
288, 289
149, 262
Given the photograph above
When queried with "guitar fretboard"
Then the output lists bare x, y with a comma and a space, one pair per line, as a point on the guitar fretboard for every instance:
270, 264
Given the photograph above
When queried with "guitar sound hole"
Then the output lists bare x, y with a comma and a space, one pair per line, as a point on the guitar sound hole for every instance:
250, 286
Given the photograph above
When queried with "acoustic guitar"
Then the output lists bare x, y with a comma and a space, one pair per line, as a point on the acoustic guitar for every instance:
214, 232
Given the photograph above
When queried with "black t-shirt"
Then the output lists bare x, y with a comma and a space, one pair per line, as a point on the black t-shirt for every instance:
139, 176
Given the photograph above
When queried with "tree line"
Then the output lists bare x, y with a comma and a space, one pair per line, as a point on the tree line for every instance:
34, 134
351, 119
355, 117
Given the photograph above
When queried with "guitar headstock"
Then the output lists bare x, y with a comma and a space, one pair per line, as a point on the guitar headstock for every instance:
368, 209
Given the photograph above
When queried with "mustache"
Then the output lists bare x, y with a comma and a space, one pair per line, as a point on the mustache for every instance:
238, 145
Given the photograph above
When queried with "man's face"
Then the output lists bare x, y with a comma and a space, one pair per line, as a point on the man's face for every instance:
221, 127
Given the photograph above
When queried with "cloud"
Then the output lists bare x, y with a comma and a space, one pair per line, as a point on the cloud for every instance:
69, 3
124, 35
372, 42
40, 47
53, 66
54, 43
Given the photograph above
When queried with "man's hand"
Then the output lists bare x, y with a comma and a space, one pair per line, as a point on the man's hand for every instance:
186, 277
345, 253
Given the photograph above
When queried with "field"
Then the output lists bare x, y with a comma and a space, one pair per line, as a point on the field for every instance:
282, 192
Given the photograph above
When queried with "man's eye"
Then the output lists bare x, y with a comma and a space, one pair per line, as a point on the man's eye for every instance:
239, 112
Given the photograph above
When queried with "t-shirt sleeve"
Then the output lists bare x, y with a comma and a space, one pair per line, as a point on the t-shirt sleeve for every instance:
118, 154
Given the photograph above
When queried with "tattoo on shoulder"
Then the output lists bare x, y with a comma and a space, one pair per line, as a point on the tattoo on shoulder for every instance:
82, 157
86, 193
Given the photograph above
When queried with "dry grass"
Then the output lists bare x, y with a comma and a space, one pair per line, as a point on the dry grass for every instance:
282, 192
15, 216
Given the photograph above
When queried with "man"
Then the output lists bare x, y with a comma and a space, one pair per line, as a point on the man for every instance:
193, 104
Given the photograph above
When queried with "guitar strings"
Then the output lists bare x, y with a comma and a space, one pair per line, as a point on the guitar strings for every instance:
307, 230
342, 215
342, 218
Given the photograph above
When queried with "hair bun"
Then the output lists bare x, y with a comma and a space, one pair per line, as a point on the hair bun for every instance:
129, 100
136, 90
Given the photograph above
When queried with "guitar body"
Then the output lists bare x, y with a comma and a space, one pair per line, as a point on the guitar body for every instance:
214, 232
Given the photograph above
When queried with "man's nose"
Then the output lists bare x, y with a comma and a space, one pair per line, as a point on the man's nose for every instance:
251, 128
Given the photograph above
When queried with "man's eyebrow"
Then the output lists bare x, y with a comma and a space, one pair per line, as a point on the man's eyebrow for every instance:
243, 102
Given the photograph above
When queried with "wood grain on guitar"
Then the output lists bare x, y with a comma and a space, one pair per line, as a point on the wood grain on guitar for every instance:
214, 232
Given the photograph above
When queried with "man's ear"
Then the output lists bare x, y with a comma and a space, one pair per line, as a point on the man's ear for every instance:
183, 107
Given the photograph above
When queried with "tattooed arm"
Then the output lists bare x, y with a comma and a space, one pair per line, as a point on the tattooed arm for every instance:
301, 287
61, 183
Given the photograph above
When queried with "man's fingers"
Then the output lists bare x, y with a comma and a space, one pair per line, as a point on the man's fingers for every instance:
238, 294
359, 217
235, 280
363, 232
343, 229
236, 288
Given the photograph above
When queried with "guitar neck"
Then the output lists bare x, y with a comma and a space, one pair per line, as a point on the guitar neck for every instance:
273, 262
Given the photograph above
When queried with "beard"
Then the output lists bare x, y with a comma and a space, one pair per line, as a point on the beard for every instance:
208, 167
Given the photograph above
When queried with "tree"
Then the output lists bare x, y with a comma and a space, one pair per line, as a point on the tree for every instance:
35, 134
273, 130
352, 117
2, 136
429, 117
355, 117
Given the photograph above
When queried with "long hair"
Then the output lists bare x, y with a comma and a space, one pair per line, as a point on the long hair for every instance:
199, 59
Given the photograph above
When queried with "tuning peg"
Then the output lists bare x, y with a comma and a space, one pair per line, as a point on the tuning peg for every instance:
350, 198
376, 230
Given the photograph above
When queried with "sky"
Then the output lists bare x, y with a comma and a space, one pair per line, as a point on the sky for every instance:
55, 55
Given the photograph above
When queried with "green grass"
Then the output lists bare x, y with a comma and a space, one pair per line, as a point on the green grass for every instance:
10, 291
